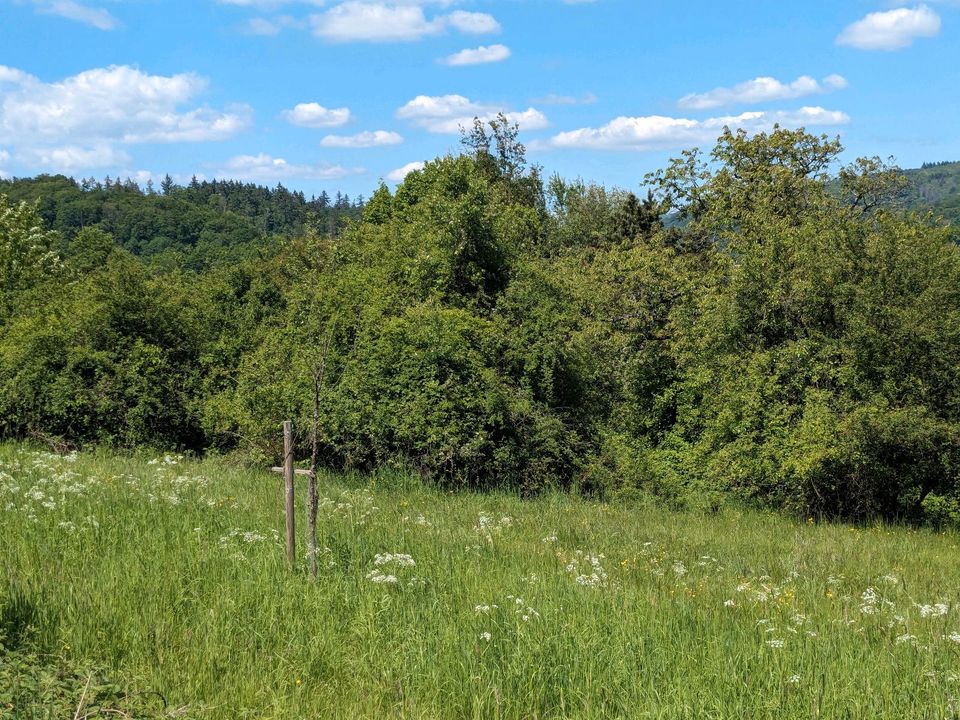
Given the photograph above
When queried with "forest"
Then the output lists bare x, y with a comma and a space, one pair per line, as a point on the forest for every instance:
759, 325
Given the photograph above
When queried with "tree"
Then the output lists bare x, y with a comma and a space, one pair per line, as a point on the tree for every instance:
27, 254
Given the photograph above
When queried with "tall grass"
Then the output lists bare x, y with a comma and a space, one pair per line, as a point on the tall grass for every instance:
172, 576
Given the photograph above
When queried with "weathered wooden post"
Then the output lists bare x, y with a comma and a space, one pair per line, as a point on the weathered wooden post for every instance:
289, 475
289, 490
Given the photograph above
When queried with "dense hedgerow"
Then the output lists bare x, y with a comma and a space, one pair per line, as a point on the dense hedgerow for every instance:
760, 327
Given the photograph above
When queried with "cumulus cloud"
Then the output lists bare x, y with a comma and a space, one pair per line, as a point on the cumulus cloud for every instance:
892, 29
266, 168
375, 138
78, 121
449, 113
400, 173
761, 89
314, 115
657, 132
353, 21
478, 56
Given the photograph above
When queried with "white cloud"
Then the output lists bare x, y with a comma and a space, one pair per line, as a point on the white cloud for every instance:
314, 115
72, 10
657, 132
375, 138
450, 113
374, 22
400, 173
473, 23
393, 22
892, 29
478, 56
78, 121
266, 168
72, 158
761, 89
118, 103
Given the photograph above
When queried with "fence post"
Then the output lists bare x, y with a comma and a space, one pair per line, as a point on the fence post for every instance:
288, 482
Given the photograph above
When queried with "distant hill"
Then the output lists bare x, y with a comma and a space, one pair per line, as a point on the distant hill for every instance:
193, 226
936, 186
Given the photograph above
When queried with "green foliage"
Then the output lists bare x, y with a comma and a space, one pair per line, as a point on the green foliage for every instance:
820, 355
27, 253
196, 227
167, 577
39, 680
754, 328
936, 186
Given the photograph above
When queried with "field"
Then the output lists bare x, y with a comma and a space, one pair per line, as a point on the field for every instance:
160, 584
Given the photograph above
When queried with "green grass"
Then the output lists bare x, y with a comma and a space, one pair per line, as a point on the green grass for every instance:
143, 570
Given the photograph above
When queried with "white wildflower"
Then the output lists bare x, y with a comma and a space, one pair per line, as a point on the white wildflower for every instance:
937, 610
378, 577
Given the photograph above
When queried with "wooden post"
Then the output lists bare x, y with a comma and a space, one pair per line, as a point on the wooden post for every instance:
288, 482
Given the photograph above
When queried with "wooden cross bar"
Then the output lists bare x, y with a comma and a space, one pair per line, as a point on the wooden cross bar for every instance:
289, 471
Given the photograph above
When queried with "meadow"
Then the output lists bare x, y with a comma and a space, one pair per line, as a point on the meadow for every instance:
157, 587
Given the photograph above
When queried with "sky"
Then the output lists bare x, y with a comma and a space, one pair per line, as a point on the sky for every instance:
341, 94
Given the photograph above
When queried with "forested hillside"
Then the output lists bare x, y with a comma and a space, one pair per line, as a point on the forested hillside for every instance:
936, 185
791, 342
202, 224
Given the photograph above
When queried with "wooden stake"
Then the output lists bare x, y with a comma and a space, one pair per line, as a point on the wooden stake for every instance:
288, 482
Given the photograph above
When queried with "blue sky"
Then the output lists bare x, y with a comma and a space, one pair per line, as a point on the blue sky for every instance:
334, 94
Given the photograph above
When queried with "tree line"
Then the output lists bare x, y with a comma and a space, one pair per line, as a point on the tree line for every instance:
195, 226
756, 327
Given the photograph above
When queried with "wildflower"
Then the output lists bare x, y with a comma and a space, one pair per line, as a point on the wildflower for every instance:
485, 636
870, 599
954, 637
793, 680
777, 644
400, 559
729, 603
937, 610
378, 577
905, 639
